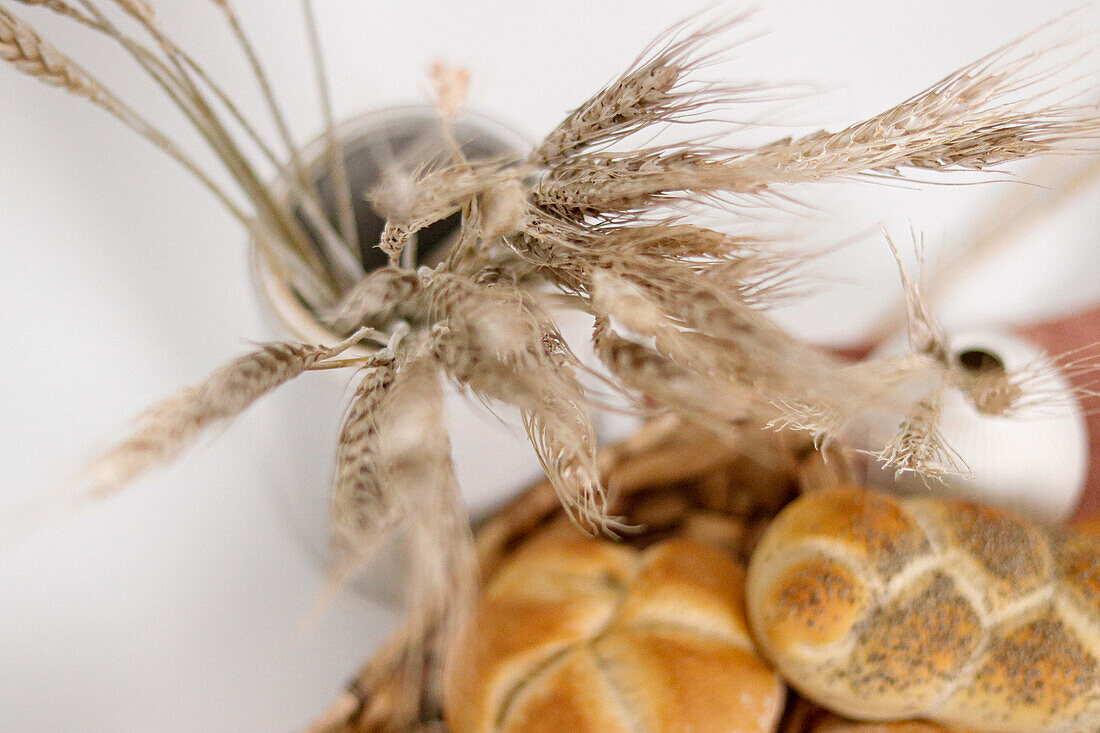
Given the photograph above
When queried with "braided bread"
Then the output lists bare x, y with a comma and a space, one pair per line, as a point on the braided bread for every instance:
881, 608
576, 635
833, 724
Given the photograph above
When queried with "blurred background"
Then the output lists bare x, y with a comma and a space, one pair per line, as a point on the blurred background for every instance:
176, 605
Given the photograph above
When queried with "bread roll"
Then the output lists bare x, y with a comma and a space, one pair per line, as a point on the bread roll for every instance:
881, 608
577, 635
833, 724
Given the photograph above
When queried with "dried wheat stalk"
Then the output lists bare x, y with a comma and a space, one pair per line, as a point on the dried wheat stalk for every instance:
590, 221
678, 306
140, 10
363, 512
169, 427
270, 100
349, 229
61, 8
657, 88
980, 116
187, 84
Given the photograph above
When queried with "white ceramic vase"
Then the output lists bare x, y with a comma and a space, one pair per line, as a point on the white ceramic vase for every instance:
1033, 461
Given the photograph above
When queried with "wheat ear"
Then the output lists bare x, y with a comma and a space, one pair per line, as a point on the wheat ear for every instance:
499, 343
363, 511
395, 471
376, 298
656, 89
415, 466
918, 447
170, 427
717, 405
984, 115
61, 8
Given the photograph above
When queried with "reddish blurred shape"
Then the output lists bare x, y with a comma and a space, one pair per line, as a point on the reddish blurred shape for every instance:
1058, 337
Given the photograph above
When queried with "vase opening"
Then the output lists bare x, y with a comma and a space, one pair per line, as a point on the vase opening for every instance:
980, 361
408, 137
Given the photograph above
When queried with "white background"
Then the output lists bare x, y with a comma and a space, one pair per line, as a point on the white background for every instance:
175, 606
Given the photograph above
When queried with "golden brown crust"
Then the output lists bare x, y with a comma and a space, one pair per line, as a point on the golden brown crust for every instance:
556, 592
816, 601
1077, 568
909, 648
836, 724
1010, 554
685, 584
871, 526
1041, 669
571, 695
657, 671
929, 608
582, 636
524, 634
560, 563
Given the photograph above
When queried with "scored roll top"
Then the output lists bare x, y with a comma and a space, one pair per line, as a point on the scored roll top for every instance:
882, 608
588, 636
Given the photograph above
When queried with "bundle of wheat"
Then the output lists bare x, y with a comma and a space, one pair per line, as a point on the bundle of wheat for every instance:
593, 219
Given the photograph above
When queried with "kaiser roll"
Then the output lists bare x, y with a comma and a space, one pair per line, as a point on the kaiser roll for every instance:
576, 635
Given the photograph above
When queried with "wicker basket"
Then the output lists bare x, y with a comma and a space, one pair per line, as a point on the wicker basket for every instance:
670, 478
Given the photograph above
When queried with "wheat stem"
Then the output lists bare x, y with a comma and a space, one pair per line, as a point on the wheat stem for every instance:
340, 185
262, 229
21, 46
234, 111
61, 8
272, 102
149, 62
302, 190
308, 270
338, 250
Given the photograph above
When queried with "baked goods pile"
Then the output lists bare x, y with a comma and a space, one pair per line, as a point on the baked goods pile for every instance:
912, 615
